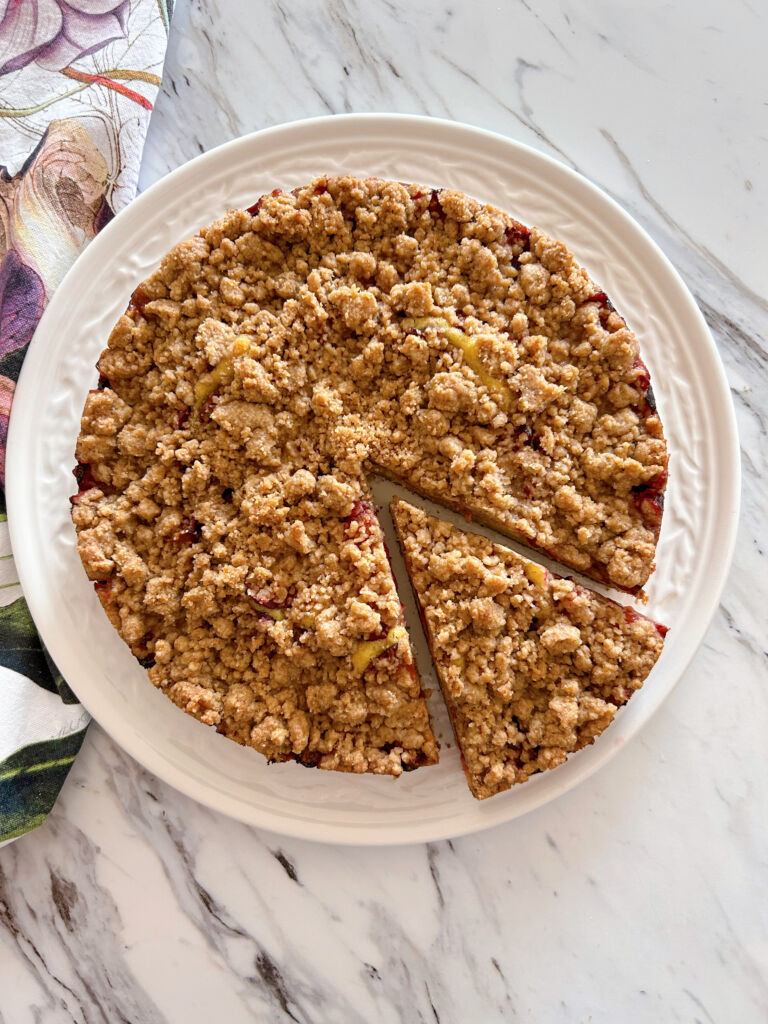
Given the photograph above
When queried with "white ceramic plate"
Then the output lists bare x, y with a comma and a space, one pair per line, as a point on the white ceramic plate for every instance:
699, 521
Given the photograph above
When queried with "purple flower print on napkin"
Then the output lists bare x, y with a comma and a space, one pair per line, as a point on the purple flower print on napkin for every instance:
48, 211
22, 297
52, 33
7, 388
55, 204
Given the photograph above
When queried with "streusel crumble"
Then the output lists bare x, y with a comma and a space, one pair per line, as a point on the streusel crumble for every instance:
276, 357
532, 666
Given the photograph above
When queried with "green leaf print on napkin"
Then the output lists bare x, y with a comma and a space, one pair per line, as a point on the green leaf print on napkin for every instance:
30, 781
21, 650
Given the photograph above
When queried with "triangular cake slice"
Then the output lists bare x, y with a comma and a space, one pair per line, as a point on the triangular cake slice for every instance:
532, 666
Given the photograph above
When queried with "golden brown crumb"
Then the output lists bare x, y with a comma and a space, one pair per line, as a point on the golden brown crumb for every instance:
274, 358
532, 666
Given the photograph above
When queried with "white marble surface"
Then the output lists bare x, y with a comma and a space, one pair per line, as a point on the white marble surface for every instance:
638, 897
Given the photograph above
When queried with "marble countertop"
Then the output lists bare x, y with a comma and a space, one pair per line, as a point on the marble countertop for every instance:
639, 896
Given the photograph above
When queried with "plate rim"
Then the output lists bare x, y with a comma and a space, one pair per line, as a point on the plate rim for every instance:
34, 590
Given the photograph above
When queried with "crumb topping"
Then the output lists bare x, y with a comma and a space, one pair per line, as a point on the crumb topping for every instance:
532, 666
270, 362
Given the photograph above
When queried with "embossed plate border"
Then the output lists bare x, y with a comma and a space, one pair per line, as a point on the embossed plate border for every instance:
702, 503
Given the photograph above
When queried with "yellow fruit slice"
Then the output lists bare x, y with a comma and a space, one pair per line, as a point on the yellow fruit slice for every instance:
370, 649
222, 372
469, 347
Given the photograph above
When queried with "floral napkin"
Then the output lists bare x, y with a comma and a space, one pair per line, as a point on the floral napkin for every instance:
77, 82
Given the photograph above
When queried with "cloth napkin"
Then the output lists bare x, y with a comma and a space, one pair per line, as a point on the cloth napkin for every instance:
77, 84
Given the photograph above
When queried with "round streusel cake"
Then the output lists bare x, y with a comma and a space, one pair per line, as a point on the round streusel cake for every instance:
348, 326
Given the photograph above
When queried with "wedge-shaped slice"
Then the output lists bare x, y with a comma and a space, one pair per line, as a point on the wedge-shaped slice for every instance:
532, 666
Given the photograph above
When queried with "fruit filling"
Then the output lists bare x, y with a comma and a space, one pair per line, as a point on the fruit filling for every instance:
370, 649
468, 344
222, 373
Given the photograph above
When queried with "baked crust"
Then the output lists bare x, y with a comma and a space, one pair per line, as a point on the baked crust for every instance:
269, 363
532, 666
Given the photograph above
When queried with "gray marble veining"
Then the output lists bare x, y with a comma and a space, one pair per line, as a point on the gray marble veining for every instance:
640, 895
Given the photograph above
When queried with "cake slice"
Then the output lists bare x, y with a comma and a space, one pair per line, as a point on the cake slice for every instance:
532, 666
